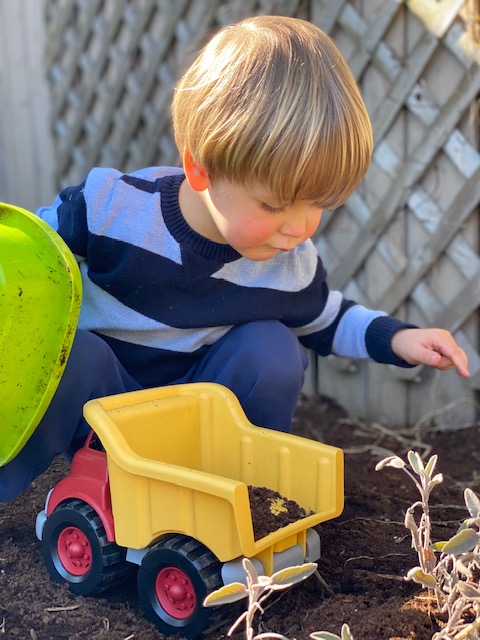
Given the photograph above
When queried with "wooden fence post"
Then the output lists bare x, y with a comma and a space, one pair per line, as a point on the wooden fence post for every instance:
26, 146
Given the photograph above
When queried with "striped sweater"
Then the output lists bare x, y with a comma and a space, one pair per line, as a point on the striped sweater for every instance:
160, 294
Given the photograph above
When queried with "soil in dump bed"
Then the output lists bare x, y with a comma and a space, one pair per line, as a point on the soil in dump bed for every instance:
271, 511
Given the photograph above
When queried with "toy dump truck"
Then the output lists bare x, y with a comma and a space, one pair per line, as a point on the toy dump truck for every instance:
162, 482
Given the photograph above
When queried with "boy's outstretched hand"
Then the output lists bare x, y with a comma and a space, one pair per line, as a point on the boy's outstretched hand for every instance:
432, 347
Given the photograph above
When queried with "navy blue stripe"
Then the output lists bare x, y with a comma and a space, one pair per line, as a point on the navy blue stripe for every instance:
181, 230
72, 219
322, 341
378, 340
153, 367
168, 292
149, 186
169, 187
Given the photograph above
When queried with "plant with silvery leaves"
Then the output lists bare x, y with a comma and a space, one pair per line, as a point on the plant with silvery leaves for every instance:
257, 589
451, 569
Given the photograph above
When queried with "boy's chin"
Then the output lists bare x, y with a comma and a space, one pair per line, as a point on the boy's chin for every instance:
259, 254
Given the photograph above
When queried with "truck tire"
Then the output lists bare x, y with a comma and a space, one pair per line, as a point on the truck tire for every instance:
174, 578
75, 549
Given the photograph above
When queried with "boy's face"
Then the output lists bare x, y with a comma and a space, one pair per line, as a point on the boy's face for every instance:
250, 221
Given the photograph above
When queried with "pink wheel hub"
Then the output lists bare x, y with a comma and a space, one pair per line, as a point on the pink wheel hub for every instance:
74, 551
175, 592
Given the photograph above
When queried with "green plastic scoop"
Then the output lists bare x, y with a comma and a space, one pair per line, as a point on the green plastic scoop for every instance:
40, 295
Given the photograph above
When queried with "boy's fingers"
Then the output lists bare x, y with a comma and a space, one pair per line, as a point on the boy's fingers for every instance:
432, 347
460, 361
456, 359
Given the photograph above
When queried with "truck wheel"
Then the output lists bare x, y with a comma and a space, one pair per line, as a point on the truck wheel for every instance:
173, 580
76, 550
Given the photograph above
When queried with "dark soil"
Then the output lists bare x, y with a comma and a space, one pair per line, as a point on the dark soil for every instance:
365, 553
271, 511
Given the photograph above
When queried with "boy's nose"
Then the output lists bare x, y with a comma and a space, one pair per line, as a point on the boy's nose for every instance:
294, 228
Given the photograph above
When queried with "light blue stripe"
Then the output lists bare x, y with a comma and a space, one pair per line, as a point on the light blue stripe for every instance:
290, 272
118, 210
349, 337
325, 319
49, 214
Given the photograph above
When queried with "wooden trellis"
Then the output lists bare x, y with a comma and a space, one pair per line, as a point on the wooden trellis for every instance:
406, 241
112, 66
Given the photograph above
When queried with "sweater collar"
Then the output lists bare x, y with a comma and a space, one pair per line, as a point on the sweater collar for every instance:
181, 230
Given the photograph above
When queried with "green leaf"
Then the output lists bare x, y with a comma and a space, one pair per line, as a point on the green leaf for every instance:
325, 635
437, 479
473, 503
461, 542
420, 577
226, 594
410, 523
250, 570
415, 462
431, 465
291, 575
346, 633
462, 565
469, 590
391, 461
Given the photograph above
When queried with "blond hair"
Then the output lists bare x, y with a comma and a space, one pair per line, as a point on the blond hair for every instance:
271, 101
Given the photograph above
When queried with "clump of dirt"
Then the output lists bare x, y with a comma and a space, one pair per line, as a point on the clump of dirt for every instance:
271, 511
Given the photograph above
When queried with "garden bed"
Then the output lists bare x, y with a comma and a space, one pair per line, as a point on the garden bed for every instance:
365, 553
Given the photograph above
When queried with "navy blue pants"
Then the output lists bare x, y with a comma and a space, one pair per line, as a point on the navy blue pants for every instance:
261, 362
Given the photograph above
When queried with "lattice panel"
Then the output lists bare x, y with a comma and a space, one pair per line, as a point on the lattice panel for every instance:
112, 67
407, 241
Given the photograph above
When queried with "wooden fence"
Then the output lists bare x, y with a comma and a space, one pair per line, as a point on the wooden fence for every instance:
406, 241
26, 142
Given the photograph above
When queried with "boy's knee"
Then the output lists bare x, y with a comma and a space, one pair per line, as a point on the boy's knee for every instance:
273, 367
89, 352
273, 350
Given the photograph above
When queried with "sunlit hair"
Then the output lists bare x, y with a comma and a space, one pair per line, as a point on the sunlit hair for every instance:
271, 101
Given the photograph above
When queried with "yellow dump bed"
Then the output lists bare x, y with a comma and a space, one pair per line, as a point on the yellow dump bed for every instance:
181, 458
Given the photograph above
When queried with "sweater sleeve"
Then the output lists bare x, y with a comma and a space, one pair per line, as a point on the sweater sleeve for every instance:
378, 339
356, 332
68, 216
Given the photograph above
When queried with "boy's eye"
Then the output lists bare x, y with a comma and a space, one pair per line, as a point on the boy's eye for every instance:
270, 209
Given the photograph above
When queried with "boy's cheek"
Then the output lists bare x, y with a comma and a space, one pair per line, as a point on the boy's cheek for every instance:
258, 232
313, 226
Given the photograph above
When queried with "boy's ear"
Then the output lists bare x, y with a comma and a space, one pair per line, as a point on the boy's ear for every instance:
195, 174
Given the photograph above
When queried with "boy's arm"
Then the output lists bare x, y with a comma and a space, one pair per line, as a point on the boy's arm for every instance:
68, 216
362, 333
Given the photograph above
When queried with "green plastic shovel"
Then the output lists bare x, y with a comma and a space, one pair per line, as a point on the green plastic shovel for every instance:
40, 296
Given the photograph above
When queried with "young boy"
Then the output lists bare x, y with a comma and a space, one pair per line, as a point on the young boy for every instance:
208, 273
